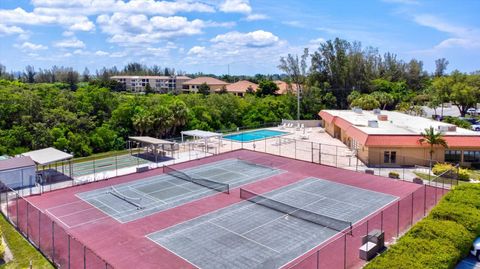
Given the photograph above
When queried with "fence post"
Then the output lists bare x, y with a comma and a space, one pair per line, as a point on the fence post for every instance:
336, 156
411, 218
16, 205
53, 242
381, 221
116, 165
84, 257
345, 251
398, 218
318, 259
6, 196
320, 153
68, 238
39, 228
27, 222
311, 149
424, 200
295, 145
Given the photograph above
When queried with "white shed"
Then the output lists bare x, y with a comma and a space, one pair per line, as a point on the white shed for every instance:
18, 172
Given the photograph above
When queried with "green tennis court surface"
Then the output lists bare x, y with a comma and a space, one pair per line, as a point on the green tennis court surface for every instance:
102, 165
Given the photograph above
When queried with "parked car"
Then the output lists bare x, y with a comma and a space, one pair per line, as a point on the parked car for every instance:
475, 251
476, 127
473, 111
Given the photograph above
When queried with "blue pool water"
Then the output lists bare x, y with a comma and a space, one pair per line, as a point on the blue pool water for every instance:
254, 135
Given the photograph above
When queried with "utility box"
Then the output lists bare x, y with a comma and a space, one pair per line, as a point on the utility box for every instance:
18, 172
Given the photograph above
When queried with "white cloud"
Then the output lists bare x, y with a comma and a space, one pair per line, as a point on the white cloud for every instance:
196, 50
32, 46
101, 53
20, 16
460, 36
10, 30
82, 25
72, 43
256, 17
129, 30
236, 6
68, 33
257, 38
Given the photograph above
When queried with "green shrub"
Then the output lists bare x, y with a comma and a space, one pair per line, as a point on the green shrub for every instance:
394, 175
417, 253
465, 215
466, 194
441, 168
449, 231
444, 168
440, 240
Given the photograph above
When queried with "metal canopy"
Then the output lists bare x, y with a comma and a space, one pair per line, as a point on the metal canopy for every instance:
47, 156
201, 133
149, 140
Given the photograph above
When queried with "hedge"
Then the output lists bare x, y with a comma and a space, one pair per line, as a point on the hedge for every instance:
440, 240
461, 173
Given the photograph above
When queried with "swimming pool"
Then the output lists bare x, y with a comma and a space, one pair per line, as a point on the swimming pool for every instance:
254, 135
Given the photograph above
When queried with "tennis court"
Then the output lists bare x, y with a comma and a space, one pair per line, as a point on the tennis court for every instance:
102, 165
270, 230
241, 209
134, 200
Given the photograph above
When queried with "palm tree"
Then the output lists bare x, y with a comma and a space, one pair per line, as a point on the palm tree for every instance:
433, 138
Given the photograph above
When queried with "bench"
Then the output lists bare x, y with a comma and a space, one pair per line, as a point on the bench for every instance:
142, 169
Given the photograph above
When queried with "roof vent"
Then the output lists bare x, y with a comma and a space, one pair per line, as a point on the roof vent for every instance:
373, 123
382, 117
357, 110
377, 111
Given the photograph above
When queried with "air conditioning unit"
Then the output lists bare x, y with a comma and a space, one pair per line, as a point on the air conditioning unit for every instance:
452, 128
443, 128
373, 123
357, 110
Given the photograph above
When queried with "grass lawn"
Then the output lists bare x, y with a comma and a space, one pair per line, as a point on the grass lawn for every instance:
437, 179
21, 249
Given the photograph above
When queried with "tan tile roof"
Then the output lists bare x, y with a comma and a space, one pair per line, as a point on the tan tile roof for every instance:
241, 86
207, 80
284, 87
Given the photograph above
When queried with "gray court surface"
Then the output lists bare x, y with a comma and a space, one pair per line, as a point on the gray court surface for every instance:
155, 194
248, 235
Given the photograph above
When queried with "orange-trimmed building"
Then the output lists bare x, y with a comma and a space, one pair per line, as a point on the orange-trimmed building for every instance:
389, 138
214, 84
240, 88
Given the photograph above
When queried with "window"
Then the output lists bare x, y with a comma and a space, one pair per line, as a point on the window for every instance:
389, 157
471, 156
453, 156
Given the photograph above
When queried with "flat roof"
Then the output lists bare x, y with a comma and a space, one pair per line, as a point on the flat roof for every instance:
47, 156
16, 163
149, 140
201, 133
397, 123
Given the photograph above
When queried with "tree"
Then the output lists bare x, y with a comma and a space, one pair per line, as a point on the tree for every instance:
223, 90
385, 99
296, 70
86, 75
148, 89
204, 89
440, 67
250, 90
366, 101
432, 138
267, 87
30, 74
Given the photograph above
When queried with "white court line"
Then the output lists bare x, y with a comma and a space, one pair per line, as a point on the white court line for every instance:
68, 226
75, 212
174, 253
333, 199
244, 237
108, 205
146, 195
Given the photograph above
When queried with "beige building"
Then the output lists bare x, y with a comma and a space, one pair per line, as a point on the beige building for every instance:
191, 86
160, 84
388, 138
240, 88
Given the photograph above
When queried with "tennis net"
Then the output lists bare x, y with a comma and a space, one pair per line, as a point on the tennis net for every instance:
135, 201
214, 185
332, 223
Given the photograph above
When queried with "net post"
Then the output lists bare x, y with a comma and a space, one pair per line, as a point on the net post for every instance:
411, 217
345, 251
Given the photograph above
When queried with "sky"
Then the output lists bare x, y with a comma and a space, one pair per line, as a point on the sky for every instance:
236, 36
